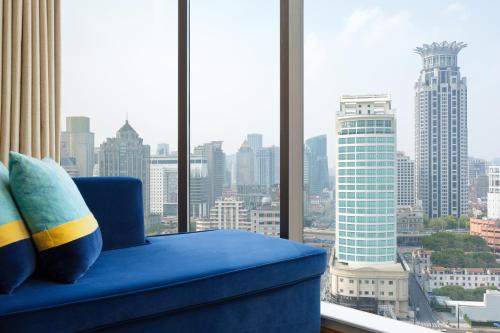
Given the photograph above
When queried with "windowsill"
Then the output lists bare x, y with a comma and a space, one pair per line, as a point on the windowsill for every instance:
344, 319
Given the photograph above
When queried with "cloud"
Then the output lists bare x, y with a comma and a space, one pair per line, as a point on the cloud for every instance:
372, 26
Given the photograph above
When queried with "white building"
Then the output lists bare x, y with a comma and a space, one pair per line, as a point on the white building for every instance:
486, 311
405, 180
494, 192
366, 180
163, 183
468, 278
227, 213
441, 159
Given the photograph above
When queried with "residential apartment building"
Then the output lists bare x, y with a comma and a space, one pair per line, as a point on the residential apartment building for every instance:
227, 213
265, 219
468, 278
405, 180
441, 140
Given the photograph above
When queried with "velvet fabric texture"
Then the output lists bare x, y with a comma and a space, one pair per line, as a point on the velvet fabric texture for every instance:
116, 203
224, 280
17, 254
63, 229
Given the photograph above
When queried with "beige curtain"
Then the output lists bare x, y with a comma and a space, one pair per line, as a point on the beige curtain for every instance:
30, 78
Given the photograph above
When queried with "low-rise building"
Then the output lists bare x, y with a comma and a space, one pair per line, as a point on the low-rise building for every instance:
370, 287
227, 213
265, 219
489, 230
410, 219
468, 278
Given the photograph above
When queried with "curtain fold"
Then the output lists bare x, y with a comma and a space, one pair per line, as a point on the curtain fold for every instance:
30, 78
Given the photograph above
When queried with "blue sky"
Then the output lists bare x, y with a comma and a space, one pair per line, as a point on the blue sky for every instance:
120, 57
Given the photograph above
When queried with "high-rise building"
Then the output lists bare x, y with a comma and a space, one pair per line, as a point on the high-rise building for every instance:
266, 169
77, 146
318, 178
477, 168
441, 131
364, 273
245, 164
405, 195
494, 192
216, 168
126, 155
254, 141
366, 180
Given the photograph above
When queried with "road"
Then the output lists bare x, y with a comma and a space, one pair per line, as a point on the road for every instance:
418, 299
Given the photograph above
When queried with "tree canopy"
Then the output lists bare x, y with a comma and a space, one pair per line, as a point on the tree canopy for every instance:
459, 293
459, 250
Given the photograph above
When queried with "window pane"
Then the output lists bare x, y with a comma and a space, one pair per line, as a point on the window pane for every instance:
395, 158
119, 100
235, 115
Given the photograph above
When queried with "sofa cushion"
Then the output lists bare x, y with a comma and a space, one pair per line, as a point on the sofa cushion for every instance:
63, 229
17, 254
169, 274
116, 203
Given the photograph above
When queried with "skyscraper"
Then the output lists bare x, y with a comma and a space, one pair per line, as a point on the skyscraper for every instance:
216, 168
405, 180
245, 164
364, 273
267, 172
366, 182
317, 164
441, 131
77, 145
126, 155
254, 141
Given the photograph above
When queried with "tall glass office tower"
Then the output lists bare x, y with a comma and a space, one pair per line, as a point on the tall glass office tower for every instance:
366, 182
441, 131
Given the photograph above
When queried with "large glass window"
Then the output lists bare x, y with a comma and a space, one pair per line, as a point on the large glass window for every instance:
388, 139
119, 101
235, 152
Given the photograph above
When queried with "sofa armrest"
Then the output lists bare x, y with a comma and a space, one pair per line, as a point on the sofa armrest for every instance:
116, 203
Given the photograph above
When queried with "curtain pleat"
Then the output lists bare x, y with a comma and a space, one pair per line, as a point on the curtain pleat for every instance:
30, 78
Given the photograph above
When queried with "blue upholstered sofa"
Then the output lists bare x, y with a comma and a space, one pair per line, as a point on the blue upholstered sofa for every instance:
214, 281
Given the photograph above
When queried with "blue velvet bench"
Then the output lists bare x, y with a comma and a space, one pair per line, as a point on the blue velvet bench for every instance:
214, 281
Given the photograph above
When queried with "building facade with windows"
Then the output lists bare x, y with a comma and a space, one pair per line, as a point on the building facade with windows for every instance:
227, 213
370, 287
366, 180
441, 131
265, 219
468, 278
126, 155
405, 180
494, 192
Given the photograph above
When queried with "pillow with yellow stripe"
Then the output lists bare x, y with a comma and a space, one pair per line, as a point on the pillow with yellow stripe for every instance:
63, 229
17, 255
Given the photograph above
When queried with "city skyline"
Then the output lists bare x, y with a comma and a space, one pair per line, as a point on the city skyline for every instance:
330, 46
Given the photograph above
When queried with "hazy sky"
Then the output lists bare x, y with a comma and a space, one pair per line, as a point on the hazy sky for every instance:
120, 57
